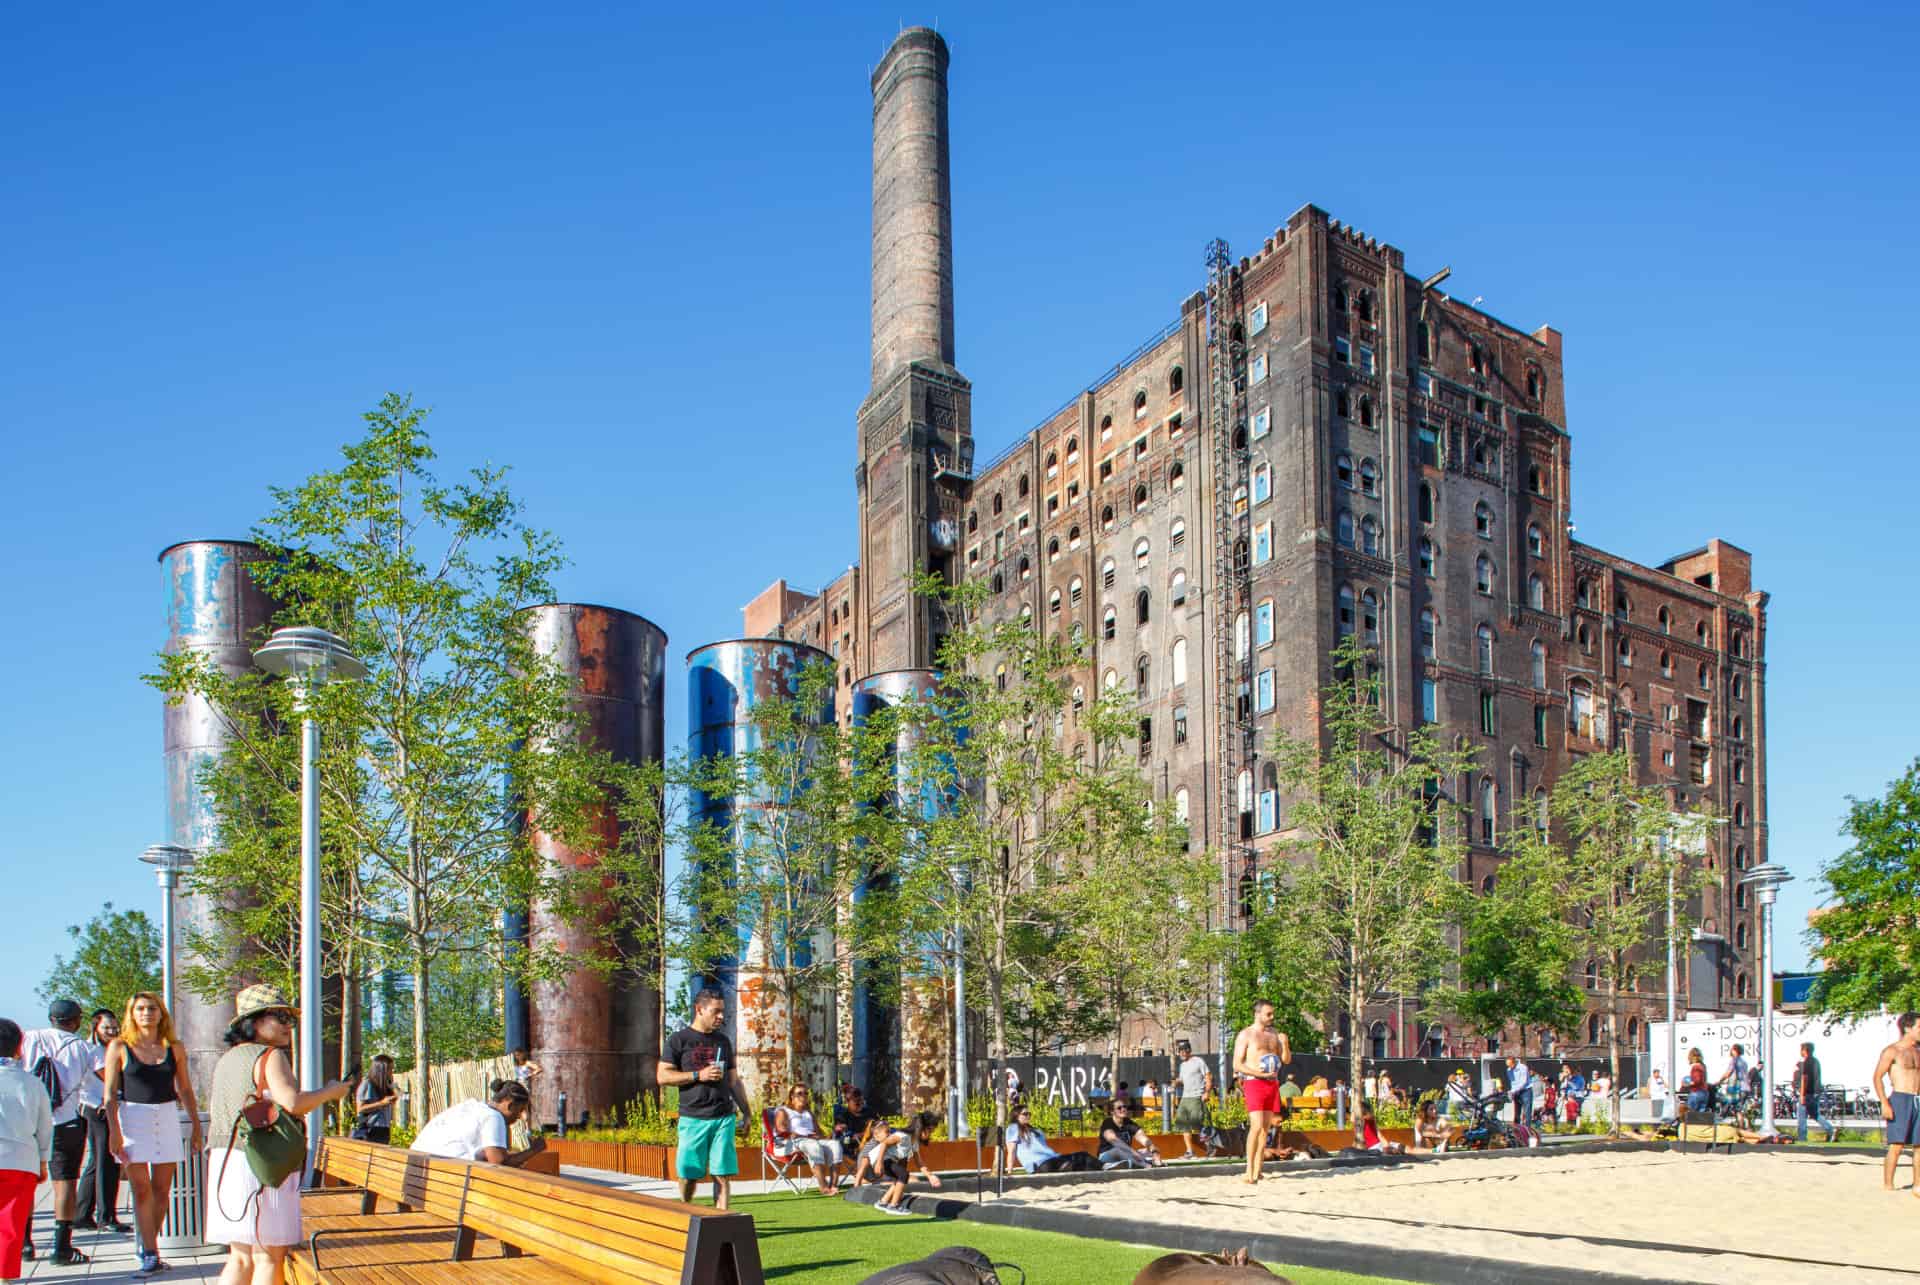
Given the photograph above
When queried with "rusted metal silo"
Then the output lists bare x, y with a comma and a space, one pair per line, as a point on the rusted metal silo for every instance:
902, 1053
214, 607
726, 682
595, 1037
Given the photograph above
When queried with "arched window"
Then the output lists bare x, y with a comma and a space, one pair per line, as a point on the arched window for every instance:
1534, 382
1538, 655
1369, 535
1343, 528
1536, 542
1424, 338
1179, 588
1107, 574
1593, 1023
1110, 679
1536, 480
1106, 517
1740, 815
1363, 305
1026, 567
1370, 617
1141, 550
1593, 982
1106, 427
1483, 574
1625, 650
1739, 728
1483, 648
996, 504
1073, 449
1584, 638
1074, 589
1633, 1032
1366, 411
1583, 593
1622, 606
1580, 708
1073, 537
1053, 548
1426, 502
1377, 1037
1177, 534
1079, 698
1739, 645
1182, 805
1343, 470
1666, 621
1142, 670
1177, 476
1740, 985
1240, 636
1740, 896
999, 583
1483, 520
1536, 593
1262, 483
1143, 606
1342, 405
1053, 603
1179, 661
1740, 856
1369, 478
1139, 498
1739, 687
1024, 487
1339, 298
1489, 810
973, 521
1053, 463
1109, 622
1343, 613
1542, 813
1706, 678
1140, 403
1428, 557
1429, 628
1176, 380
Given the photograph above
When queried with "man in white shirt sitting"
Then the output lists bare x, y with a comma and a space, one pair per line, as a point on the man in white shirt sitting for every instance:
476, 1130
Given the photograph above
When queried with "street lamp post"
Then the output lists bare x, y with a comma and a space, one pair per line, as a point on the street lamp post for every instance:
168, 860
1766, 882
1673, 984
311, 658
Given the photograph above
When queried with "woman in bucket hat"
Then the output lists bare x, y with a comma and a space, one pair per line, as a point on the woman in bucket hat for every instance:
258, 1224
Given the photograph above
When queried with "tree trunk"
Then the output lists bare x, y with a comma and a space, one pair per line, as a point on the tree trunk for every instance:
1356, 1017
349, 1013
422, 1069
1613, 1054
997, 1052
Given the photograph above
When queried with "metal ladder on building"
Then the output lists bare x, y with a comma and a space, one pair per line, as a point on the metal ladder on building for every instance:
1232, 534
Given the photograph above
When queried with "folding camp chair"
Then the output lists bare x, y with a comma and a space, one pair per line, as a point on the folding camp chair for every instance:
769, 1155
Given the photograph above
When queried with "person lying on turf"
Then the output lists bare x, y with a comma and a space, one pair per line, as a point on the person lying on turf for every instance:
1027, 1149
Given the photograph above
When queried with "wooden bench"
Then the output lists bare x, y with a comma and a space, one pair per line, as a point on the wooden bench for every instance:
385, 1215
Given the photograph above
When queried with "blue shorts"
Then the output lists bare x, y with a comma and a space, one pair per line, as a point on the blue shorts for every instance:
1904, 1129
706, 1148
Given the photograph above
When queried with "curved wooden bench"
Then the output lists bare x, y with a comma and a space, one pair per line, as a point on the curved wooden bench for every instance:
462, 1220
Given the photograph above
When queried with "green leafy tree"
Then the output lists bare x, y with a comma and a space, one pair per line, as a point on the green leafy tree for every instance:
1146, 937
423, 578
1611, 852
115, 953
1278, 957
1376, 884
1868, 940
801, 787
1517, 956
1002, 802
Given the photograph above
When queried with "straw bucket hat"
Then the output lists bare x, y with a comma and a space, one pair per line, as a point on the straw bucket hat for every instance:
260, 998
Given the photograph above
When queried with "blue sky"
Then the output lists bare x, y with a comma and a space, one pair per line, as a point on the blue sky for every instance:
626, 253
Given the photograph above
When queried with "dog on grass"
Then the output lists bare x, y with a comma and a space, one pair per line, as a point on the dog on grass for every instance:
1224, 1268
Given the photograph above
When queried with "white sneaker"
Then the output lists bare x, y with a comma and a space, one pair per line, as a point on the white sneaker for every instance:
892, 1209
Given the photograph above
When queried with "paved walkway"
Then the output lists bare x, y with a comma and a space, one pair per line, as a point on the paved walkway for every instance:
114, 1258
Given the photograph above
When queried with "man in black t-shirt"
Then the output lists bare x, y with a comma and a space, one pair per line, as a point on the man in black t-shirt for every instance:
699, 1062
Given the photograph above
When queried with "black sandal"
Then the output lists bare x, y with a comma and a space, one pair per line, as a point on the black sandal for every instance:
69, 1258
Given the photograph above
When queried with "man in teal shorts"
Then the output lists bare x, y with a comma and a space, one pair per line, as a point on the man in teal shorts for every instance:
699, 1062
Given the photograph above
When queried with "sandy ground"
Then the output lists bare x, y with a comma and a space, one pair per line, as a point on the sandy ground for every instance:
1752, 1219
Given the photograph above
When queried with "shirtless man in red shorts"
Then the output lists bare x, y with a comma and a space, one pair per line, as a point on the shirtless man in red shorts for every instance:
1259, 1052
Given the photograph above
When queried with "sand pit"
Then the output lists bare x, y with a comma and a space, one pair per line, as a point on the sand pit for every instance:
1802, 1218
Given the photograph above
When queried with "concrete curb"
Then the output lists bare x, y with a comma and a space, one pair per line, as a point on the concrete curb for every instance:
1403, 1264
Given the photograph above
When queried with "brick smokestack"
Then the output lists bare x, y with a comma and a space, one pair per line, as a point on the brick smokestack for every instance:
912, 206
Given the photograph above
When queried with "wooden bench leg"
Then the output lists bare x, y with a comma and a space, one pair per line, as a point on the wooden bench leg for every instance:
509, 1251
463, 1239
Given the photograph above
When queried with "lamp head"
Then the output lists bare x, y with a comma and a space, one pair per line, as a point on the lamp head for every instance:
309, 653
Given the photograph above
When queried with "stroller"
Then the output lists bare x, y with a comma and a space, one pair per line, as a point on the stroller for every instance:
1485, 1130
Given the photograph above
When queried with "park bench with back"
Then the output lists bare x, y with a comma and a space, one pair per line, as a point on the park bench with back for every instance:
388, 1215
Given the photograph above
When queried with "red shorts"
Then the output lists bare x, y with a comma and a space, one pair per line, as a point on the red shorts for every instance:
1263, 1095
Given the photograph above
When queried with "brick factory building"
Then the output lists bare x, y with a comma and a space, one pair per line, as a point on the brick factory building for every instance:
1318, 443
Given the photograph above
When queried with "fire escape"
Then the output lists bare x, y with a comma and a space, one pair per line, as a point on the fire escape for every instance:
1232, 533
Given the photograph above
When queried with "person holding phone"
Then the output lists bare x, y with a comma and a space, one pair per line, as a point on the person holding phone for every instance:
373, 1103
699, 1062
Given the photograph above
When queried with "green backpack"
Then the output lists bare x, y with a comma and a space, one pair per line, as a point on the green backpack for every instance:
273, 1141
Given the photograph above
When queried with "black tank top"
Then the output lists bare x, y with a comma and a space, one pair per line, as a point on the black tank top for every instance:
148, 1084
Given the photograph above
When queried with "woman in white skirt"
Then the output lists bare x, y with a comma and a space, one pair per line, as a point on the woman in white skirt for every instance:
147, 1085
257, 1224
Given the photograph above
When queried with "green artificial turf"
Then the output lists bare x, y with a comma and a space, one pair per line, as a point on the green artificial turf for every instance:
821, 1240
